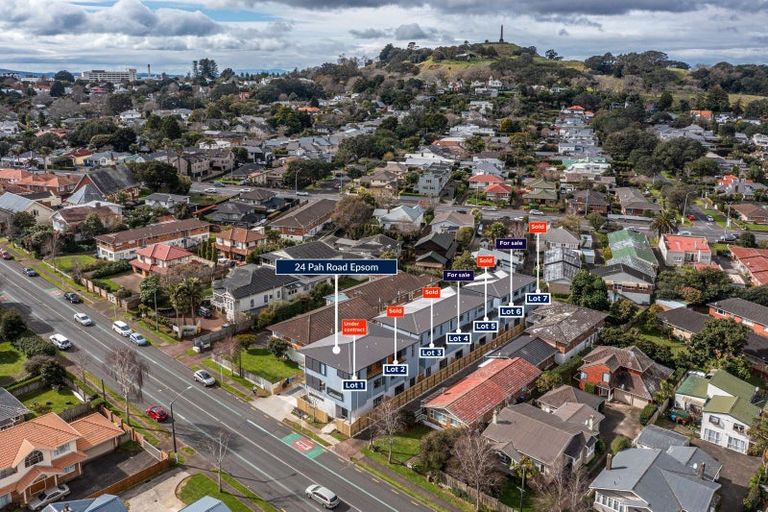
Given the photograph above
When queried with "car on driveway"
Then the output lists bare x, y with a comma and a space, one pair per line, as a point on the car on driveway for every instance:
157, 413
6, 255
691, 217
121, 328
138, 339
323, 496
43, 498
30, 272
83, 319
73, 298
60, 341
204, 378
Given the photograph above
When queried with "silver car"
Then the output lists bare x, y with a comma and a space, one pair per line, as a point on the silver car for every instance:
204, 378
323, 496
43, 498
83, 319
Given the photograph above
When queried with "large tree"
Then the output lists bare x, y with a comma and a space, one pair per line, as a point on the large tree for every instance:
589, 291
476, 463
160, 177
352, 213
128, 369
663, 222
718, 339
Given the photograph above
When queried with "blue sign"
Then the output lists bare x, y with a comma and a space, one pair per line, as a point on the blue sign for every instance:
485, 326
432, 352
511, 311
458, 338
395, 370
335, 267
537, 299
458, 275
512, 244
354, 385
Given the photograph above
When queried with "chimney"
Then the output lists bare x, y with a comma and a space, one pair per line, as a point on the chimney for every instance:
609, 461
495, 417
700, 470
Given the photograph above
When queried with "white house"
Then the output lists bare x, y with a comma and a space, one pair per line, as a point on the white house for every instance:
406, 219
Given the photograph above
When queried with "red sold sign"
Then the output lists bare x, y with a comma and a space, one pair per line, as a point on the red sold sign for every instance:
354, 327
538, 226
486, 261
395, 311
430, 292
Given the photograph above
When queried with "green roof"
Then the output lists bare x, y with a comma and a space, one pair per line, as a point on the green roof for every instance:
693, 385
736, 407
732, 385
626, 234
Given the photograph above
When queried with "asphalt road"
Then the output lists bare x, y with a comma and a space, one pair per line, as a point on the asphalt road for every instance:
259, 456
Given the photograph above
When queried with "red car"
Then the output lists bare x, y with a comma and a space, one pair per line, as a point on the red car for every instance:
6, 255
157, 413
691, 217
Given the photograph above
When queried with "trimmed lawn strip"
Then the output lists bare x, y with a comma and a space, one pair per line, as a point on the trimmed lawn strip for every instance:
199, 485
677, 347
216, 369
338, 435
404, 446
263, 363
510, 495
303, 431
50, 400
150, 332
397, 485
255, 498
67, 262
11, 364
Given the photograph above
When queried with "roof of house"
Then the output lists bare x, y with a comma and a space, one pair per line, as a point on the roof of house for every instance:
258, 194
75, 214
694, 457
443, 240
206, 504
453, 217
85, 194
94, 429
625, 268
309, 250
658, 479
154, 230
532, 349
250, 280
10, 407
307, 216
498, 380
110, 180
645, 375
733, 406
523, 429
402, 213
560, 322
364, 301
684, 319
732, 385
485, 178
653, 436
560, 236
591, 197
240, 235
16, 203
678, 243
744, 308
498, 188
561, 263
166, 198
568, 394
693, 385
163, 252
103, 503
751, 210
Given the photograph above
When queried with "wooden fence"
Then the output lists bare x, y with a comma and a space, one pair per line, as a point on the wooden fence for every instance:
425, 384
135, 479
487, 502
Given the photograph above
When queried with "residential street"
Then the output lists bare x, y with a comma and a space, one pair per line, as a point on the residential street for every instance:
259, 457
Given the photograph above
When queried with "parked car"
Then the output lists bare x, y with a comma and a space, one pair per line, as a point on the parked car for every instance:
121, 328
138, 339
691, 217
43, 498
323, 496
204, 378
302, 193
684, 233
30, 272
204, 312
729, 237
83, 319
536, 212
73, 298
210, 190
710, 218
218, 184
679, 416
6, 255
157, 413
245, 190
60, 341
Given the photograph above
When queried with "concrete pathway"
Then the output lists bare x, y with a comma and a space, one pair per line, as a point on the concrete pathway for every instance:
157, 494
277, 406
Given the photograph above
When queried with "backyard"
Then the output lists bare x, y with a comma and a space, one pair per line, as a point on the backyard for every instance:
49, 400
11, 364
263, 363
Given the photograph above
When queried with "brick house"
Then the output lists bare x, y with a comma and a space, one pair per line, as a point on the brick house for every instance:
626, 375
750, 314
305, 221
124, 245
588, 201
159, 259
237, 243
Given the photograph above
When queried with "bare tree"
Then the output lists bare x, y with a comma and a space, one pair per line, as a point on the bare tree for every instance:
562, 489
128, 369
85, 362
216, 447
476, 463
230, 349
387, 423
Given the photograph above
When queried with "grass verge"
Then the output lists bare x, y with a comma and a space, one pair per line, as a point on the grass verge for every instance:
263, 363
199, 485
249, 494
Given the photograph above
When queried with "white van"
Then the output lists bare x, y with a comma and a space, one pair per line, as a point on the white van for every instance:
121, 328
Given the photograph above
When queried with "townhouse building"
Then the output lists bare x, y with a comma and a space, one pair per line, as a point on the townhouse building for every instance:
749, 314
237, 243
306, 221
678, 250
124, 245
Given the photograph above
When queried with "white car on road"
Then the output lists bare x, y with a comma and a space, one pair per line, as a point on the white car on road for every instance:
121, 328
83, 319
204, 378
536, 212
211, 190
60, 341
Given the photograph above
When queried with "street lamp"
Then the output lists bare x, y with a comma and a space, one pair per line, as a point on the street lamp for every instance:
173, 420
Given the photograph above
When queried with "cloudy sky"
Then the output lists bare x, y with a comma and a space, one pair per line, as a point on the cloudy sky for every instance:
46, 35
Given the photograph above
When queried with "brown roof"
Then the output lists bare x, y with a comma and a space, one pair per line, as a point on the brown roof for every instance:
308, 216
632, 370
241, 235
77, 214
95, 429
154, 230
46, 431
365, 301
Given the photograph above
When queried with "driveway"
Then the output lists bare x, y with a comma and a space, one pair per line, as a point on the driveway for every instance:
157, 494
109, 469
734, 477
620, 419
130, 281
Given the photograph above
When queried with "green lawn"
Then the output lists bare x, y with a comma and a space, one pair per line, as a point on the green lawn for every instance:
11, 364
264, 364
65, 263
49, 400
510, 495
675, 345
199, 485
752, 226
405, 446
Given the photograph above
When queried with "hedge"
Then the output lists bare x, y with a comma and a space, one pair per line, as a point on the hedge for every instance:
33, 345
754, 498
111, 268
620, 443
646, 413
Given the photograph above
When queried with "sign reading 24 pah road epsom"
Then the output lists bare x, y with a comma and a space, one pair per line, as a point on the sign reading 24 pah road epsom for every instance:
336, 267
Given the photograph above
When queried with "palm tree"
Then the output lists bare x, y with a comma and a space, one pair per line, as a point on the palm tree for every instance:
179, 300
663, 222
194, 291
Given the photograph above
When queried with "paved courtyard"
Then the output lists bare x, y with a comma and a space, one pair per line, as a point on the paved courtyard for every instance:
109, 469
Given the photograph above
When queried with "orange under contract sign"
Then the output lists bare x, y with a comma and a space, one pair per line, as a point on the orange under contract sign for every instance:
354, 327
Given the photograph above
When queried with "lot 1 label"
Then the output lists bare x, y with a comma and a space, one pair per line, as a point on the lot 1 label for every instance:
354, 385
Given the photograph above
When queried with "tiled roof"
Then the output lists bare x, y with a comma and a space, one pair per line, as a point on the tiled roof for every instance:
565, 393
46, 431
744, 308
486, 388
683, 318
250, 280
240, 235
10, 407
677, 243
95, 429
562, 323
307, 216
154, 230
75, 214
644, 377
163, 252
485, 178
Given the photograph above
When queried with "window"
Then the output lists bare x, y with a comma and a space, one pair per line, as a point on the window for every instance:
714, 420
738, 428
378, 383
610, 503
7, 472
378, 400
5, 500
606, 377
69, 469
33, 458
334, 394
61, 450
712, 436
736, 444
343, 375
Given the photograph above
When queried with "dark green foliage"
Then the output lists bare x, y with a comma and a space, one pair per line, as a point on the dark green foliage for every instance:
57, 89
673, 154
278, 346
702, 167
436, 448
718, 339
142, 216
87, 130
758, 294
309, 171
292, 121
64, 76
620, 145
149, 289
160, 177
589, 291
375, 146
117, 103
696, 287
33, 345
52, 372
170, 128
645, 415
297, 89
122, 139
620, 443
33, 365
111, 268
623, 311
11, 325
615, 337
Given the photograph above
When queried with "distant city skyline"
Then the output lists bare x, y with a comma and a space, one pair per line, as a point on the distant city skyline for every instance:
46, 35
